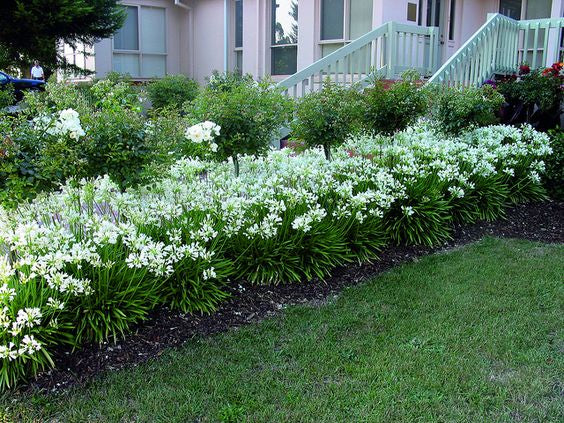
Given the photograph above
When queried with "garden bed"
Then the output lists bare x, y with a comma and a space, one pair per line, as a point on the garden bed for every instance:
542, 222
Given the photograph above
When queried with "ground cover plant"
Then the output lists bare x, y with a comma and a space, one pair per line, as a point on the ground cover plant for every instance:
86, 263
405, 346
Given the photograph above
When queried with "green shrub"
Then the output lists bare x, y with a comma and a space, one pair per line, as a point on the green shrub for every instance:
172, 91
554, 175
7, 97
249, 113
534, 98
388, 110
456, 110
326, 118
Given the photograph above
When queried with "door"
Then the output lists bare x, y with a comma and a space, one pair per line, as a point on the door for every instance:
442, 14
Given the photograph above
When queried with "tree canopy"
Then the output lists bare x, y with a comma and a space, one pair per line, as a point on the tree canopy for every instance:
34, 29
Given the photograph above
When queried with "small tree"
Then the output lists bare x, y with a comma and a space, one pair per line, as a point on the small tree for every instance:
172, 91
388, 110
249, 113
326, 117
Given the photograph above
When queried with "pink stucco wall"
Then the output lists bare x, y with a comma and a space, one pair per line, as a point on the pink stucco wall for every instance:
195, 37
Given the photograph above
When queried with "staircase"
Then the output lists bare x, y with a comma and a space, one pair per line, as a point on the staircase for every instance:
498, 47
385, 51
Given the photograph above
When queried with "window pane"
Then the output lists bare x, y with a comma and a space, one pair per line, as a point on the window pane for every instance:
284, 22
153, 31
327, 49
127, 37
126, 63
239, 62
153, 66
451, 20
360, 18
332, 18
538, 9
284, 60
511, 8
239, 23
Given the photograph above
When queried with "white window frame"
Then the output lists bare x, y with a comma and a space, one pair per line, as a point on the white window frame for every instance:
237, 50
346, 26
271, 41
140, 52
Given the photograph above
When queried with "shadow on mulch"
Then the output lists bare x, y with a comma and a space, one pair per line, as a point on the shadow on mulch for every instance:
542, 222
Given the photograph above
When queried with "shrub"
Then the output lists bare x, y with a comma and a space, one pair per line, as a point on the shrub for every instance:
388, 110
535, 97
249, 114
325, 118
553, 178
172, 91
456, 110
7, 97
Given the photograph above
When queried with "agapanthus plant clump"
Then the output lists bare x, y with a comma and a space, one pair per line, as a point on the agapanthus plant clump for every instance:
87, 263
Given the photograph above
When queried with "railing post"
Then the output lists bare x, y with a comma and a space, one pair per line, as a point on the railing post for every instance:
391, 48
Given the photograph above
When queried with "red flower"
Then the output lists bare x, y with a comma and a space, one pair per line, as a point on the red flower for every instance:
524, 69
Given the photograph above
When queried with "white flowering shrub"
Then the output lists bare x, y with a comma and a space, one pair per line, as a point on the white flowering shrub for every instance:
86, 263
66, 122
205, 132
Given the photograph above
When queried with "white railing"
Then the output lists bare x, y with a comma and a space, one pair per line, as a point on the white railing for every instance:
499, 46
387, 50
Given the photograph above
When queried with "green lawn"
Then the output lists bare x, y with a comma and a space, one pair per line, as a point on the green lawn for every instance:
469, 336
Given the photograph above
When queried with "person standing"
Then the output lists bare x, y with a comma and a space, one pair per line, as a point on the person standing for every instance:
37, 71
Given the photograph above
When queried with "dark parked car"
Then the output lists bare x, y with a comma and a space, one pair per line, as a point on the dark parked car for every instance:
21, 85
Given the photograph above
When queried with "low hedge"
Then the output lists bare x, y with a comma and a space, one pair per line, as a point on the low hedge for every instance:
85, 264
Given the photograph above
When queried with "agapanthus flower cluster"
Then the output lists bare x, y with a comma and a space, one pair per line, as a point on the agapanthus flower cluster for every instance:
204, 132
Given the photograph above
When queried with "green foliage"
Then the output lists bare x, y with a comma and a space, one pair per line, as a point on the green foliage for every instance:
250, 114
166, 142
7, 97
536, 87
325, 118
33, 29
424, 219
553, 179
172, 91
456, 110
388, 110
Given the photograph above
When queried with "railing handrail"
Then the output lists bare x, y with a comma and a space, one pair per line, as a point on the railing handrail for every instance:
491, 22
333, 57
351, 47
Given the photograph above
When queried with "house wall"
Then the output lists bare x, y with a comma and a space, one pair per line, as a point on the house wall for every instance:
195, 37
177, 39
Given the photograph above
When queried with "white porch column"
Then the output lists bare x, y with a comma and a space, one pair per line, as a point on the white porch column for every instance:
557, 11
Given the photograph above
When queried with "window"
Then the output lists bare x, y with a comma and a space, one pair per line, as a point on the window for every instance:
140, 45
412, 12
510, 8
538, 9
239, 36
343, 21
451, 18
284, 51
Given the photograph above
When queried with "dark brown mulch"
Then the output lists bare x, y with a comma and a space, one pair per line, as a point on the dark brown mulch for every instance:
538, 222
